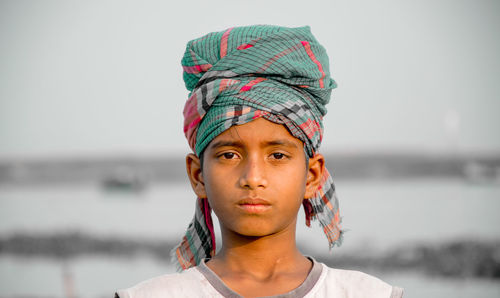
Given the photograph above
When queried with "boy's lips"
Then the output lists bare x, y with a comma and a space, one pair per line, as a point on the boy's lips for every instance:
254, 205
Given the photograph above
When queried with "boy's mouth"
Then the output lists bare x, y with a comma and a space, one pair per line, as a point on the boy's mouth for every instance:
254, 205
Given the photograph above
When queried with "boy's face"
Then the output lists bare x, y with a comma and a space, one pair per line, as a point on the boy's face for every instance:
254, 176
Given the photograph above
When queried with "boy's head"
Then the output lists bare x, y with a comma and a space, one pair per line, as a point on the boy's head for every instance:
258, 93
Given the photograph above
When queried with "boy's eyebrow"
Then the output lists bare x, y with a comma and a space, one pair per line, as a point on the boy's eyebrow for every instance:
279, 142
223, 143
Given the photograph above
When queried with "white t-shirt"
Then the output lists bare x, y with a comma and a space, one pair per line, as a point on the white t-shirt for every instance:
322, 281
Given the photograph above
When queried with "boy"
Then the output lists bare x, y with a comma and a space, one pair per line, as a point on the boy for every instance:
254, 122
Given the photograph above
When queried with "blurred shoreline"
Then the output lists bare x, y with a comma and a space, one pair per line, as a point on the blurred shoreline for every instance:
137, 172
456, 259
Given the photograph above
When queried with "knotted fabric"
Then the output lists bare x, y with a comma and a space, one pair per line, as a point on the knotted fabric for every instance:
244, 73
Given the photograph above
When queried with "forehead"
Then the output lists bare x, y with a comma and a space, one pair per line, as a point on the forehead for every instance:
258, 132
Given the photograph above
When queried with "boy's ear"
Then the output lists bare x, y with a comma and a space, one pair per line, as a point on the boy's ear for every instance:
193, 167
314, 175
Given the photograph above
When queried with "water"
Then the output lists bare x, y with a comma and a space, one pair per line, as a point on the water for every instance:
94, 276
100, 276
380, 214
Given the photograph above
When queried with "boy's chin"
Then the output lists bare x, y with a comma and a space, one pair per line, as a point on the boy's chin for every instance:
256, 230
253, 233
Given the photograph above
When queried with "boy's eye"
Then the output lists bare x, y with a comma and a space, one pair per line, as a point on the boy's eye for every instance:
278, 155
229, 155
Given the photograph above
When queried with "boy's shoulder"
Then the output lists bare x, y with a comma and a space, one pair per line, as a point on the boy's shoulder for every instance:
331, 282
189, 283
351, 283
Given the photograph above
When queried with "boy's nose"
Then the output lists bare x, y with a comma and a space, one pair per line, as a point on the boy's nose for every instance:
253, 175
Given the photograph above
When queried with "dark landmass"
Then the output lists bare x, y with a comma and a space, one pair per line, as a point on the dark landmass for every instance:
136, 173
458, 259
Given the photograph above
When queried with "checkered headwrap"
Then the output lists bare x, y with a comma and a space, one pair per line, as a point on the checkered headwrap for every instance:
243, 73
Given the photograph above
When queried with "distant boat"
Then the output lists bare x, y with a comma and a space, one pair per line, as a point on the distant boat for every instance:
124, 179
482, 172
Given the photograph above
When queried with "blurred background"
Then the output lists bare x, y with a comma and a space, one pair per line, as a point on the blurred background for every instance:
93, 191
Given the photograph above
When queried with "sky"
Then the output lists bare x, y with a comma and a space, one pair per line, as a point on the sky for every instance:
103, 78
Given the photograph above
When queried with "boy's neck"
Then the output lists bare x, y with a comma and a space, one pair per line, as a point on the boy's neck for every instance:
261, 266
260, 257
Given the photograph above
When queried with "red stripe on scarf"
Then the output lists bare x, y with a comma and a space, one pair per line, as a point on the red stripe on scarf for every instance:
277, 56
224, 83
259, 113
244, 46
309, 52
223, 42
310, 127
252, 83
197, 68
191, 119
309, 211
207, 211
